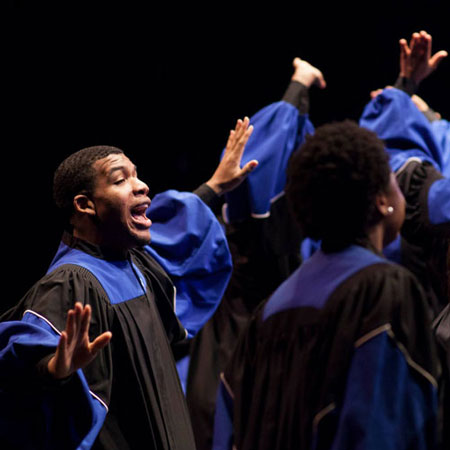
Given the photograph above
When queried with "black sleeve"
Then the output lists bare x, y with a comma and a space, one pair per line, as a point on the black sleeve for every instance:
297, 94
409, 87
406, 85
208, 196
44, 376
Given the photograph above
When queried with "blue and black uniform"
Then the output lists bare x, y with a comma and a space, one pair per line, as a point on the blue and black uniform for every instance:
340, 357
130, 395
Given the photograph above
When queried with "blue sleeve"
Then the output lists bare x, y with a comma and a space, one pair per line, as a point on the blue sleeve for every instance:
66, 415
390, 402
223, 420
279, 129
439, 202
441, 130
404, 129
190, 244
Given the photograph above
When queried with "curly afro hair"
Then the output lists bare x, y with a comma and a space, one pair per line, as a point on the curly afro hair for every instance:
76, 175
332, 182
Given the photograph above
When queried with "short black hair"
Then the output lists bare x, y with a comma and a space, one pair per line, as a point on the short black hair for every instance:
75, 175
332, 182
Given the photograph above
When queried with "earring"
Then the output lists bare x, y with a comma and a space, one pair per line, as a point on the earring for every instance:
390, 210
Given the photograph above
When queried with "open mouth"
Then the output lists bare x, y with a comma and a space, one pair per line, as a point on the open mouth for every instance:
138, 213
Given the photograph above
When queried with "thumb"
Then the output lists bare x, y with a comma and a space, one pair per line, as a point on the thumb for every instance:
249, 167
437, 58
100, 342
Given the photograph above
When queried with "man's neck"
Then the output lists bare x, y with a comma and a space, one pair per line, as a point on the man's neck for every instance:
112, 251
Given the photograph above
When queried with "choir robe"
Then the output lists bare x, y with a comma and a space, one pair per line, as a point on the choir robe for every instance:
130, 395
340, 357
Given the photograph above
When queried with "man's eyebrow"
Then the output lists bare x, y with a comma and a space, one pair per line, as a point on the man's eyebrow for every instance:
119, 168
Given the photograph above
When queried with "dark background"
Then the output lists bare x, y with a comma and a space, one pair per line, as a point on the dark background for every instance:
166, 83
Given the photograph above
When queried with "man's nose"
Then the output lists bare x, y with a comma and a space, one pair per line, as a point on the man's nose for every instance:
140, 187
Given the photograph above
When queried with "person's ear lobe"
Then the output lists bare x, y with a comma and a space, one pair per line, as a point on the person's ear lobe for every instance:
84, 205
383, 206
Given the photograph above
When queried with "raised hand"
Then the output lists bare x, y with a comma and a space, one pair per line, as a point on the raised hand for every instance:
416, 61
74, 351
229, 173
307, 74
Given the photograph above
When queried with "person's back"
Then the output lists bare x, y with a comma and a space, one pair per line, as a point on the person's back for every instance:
318, 344
341, 356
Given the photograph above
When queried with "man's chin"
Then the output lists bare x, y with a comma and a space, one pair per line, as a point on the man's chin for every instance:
142, 239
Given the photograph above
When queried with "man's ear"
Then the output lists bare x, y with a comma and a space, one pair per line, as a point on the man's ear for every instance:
84, 205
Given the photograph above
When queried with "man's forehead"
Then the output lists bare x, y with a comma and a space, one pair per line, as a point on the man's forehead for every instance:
112, 162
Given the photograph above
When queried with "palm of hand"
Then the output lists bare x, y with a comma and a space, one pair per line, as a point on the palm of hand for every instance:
74, 350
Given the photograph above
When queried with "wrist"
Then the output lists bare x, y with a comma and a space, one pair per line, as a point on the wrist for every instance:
208, 196
406, 84
215, 186
46, 376
53, 371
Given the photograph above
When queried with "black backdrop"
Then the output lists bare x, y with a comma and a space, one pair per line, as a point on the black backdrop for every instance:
166, 83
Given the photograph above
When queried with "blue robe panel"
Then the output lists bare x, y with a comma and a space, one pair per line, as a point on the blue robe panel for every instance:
279, 127
332, 361
396, 120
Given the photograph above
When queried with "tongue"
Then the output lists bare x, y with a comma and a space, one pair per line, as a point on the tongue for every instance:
141, 218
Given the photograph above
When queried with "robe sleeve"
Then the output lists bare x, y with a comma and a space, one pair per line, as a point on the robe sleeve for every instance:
35, 409
418, 158
390, 398
381, 371
406, 132
441, 130
190, 244
279, 129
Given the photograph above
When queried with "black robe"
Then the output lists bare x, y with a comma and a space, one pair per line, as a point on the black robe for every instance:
135, 376
130, 395
341, 356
